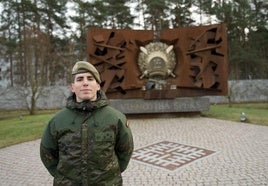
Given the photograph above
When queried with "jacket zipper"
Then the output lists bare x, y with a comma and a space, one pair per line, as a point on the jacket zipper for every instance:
84, 151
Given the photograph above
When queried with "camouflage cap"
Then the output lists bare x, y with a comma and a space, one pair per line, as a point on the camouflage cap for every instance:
84, 66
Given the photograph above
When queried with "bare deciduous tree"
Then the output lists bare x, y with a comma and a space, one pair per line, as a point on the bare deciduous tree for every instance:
37, 49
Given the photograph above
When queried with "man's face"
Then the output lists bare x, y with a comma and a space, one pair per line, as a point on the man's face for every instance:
85, 87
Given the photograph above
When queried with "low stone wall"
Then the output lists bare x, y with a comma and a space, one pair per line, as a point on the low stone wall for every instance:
244, 91
52, 97
55, 97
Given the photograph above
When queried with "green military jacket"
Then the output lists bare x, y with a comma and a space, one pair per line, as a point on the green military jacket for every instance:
87, 143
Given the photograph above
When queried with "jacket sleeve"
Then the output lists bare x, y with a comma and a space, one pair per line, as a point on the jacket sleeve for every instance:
49, 150
124, 146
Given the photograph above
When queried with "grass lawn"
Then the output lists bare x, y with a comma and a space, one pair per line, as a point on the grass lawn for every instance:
256, 113
22, 128
18, 126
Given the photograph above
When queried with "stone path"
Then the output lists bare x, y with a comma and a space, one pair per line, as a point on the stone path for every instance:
241, 156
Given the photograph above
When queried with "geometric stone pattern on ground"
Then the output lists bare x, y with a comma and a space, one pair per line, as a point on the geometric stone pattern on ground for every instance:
168, 155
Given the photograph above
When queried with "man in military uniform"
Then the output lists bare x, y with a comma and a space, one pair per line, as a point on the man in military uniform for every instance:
88, 142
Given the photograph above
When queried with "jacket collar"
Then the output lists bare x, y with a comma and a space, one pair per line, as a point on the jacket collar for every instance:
87, 105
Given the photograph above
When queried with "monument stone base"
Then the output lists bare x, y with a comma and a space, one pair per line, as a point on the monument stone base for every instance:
141, 106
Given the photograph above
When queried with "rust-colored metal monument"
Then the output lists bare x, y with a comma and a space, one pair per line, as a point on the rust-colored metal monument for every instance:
181, 62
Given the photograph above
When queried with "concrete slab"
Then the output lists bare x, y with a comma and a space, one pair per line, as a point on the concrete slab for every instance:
185, 104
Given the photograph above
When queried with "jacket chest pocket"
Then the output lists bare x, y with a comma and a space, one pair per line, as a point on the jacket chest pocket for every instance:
104, 136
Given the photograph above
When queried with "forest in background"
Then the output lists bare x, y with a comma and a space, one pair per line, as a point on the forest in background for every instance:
41, 39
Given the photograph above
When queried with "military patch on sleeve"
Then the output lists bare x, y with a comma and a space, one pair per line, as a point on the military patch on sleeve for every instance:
127, 124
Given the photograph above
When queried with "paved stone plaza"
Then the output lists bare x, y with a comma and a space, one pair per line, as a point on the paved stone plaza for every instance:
233, 153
